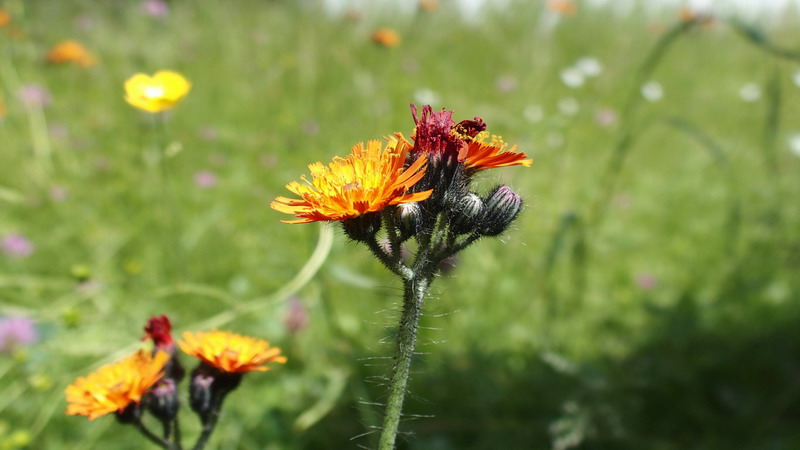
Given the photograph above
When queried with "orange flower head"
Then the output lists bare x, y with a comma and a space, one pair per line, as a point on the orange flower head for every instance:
478, 154
367, 180
563, 7
386, 37
70, 52
695, 17
229, 352
5, 17
428, 5
115, 386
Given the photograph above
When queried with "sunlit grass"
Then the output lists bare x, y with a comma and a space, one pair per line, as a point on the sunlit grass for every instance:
689, 274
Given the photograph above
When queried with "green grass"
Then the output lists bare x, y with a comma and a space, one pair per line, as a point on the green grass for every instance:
539, 339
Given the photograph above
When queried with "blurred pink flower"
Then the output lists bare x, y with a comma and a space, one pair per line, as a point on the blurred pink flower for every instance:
16, 332
17, 245
297, 317
311, 127
606, 117
269, 160
506, 83
58, 193
205, 179
208, 133
34, 95
646, 281
155, 8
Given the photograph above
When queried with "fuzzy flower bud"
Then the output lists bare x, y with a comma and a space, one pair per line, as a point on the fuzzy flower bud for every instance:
408, 219
466, 214
162, 400
502, 207
200, 393
363, 227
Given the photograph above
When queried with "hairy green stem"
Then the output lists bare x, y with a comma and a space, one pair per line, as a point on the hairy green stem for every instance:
414, 291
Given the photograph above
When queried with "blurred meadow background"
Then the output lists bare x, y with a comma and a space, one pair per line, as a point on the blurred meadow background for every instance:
647, 298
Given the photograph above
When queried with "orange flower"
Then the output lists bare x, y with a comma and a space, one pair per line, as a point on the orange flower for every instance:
367, 180
386, 37
115, 386
688, 15
563, 7
477, 154
428, 5
229, 352
2, 109
70, 52
5, 17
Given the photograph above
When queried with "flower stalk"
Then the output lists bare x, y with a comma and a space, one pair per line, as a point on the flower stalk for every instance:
414, 291
411, 191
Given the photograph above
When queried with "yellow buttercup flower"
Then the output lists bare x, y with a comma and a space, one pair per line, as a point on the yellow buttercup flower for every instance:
115, 386
230, 352
158, 93
367, 180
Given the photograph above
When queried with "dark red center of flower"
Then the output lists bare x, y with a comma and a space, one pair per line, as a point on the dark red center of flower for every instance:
438, 136
158, 329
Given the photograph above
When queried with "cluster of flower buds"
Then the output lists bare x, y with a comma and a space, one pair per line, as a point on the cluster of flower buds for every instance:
455, 152
148, 380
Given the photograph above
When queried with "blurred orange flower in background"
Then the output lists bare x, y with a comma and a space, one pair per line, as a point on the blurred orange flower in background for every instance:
701, 18
5, 17
386, 37
428, 5
70, 52
563, 7
158, 93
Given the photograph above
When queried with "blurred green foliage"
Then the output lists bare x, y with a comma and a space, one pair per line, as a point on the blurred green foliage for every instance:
647, 298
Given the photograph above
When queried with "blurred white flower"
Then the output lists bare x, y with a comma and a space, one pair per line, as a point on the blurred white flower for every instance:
652, 91
796, 78
569, 106
426, 97
794, 143
750, 92
533, 113
572, 77
589, 66
555, 139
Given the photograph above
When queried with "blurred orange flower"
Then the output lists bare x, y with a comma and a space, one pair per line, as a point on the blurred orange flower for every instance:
70, 52
158, 93
563, 7
5, 17
386, 37
701, 18
2, 109
230, 352
428, 5
115, 386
